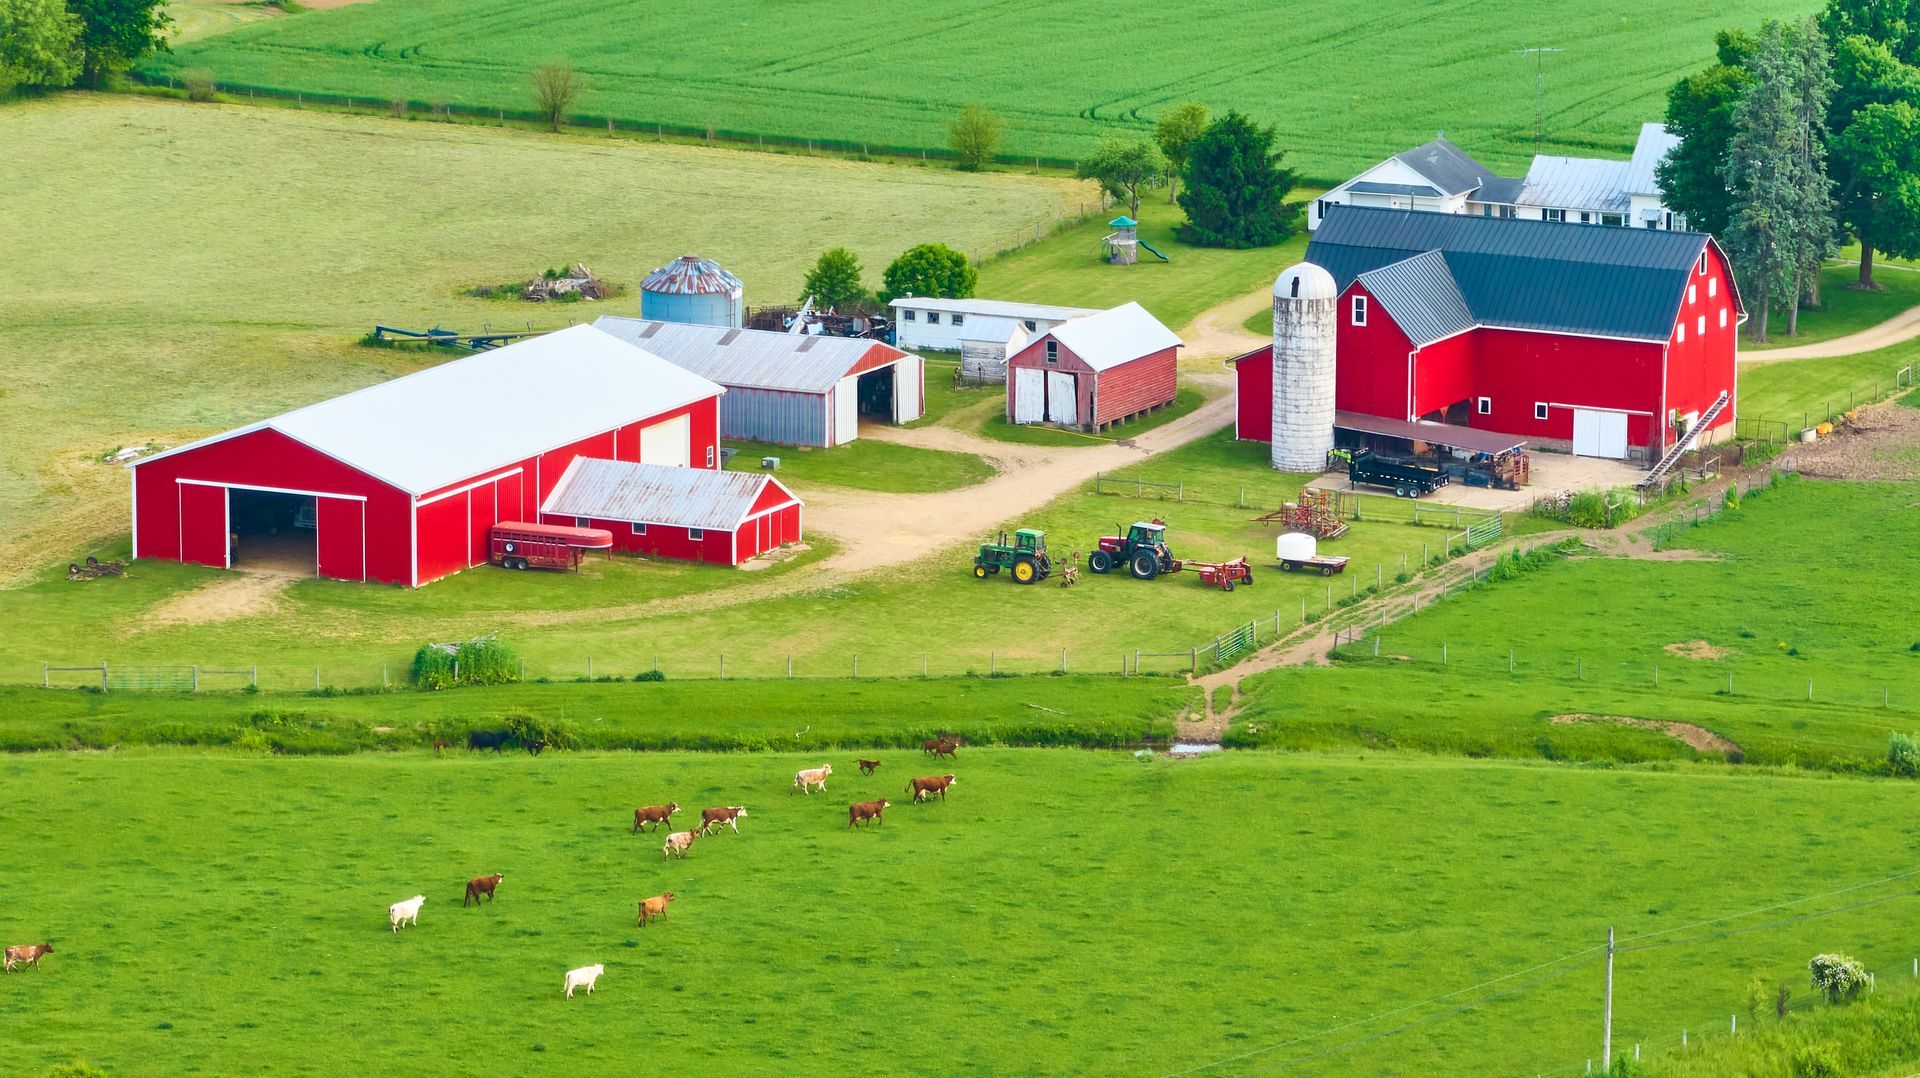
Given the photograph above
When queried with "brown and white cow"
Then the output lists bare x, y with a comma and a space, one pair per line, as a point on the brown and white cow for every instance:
806, 781
653, 814
725, 814
655, 907
925, 788
481, 885
866, 810
678, 843
26, 954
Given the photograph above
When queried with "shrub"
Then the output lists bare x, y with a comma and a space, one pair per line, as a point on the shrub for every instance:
1592, 509
432, 667
1837, 976
1903, 755
198, 83
250, 739
1815, 1061
475, 662
526, 728
79, 1068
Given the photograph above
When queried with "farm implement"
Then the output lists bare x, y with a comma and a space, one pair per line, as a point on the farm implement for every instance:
1223, 575
1025, 558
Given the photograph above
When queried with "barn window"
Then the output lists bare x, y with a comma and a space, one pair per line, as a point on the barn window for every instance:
582, 522
1053, 350
1703, 263
1682, 335
639, 529
959, 319
1586, 218
1359, 310
1554, 215
1616, 220
696, 534
1713, 287
933, 318
1539, 410
1484, 406
1700, 325
709, 456
1692, 294
1723, 318
1031, 327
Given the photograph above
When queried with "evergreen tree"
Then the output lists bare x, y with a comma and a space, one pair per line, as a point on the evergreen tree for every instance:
834, 281
1236, 192
1693, 177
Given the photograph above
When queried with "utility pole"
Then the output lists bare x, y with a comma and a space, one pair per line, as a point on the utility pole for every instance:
1539, 88
1606, 1042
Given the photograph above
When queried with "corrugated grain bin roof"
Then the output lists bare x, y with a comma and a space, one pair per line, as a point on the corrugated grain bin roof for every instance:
657, 494
691, 275
435, 427
752, 358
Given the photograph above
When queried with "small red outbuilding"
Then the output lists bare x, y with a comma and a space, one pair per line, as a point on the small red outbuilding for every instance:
720, 517
400, 482
1093, 371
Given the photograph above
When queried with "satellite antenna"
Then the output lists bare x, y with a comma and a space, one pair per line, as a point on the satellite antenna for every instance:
1539, 86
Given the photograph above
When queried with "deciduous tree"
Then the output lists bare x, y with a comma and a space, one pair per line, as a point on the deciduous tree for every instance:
1176, 133
38, 44
834, 280
1236, 192
1876, 150
1123, 168
931, 269
115, 33
556, 87
1693, 177
975, 137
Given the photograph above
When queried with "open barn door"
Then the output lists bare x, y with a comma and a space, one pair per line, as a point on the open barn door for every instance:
908, 376
1029, 395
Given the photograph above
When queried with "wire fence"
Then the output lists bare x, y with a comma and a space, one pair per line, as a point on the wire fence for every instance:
1870, 390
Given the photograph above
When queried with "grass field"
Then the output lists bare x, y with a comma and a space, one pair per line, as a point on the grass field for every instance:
816, 69
1874, 1036
1063, 912
995, 425
1846, 310
1801, 392
229, 258
867, 464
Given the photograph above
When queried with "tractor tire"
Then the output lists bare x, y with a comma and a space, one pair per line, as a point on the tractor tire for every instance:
1025, 571
1145, 565
980, 572
1099, 562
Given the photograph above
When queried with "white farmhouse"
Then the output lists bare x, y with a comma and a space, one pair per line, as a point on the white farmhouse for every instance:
984, 331
1442, 178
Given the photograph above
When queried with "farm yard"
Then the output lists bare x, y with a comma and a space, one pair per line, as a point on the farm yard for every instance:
747, 72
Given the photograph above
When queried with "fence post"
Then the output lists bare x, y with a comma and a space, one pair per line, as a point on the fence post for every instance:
1137, 488
990, 659
723, 666
789, 665
856, 664
1579, 669
43, 676
1376, 645
256, 676
1443, 653
1063, 660
1809, 688
316, 679
103, 677
1180, 491
1193, 662
923, 664
1656, 675
196, 678
1136, 660
1509, 661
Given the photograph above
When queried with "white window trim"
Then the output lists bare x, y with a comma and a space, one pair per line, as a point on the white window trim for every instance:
696, 534
1713, 287
1539, 410
1723, 318
1484, 405
1053, 350
1700, 326
933, 318
957, 319
1358, 310
1693, 294
583, 522
637, 528
1703, 263
1682, 337
909, 315
709, 456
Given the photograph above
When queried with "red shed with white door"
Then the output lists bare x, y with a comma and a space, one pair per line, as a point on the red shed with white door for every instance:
1094, 371
400, 482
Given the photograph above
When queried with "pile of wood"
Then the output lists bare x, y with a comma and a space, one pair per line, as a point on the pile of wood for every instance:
94, 569
579, 280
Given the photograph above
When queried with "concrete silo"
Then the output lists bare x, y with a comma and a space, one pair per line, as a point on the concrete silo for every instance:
694, 290
1304, 310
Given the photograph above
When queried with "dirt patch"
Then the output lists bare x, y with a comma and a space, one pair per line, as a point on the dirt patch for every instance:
235, 595
1698, 649
1696, 737
1882, 443
774, 557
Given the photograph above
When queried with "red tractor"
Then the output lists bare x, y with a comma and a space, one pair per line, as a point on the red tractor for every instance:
1143, 551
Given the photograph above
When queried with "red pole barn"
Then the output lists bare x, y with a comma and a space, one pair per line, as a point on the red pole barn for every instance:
400, 482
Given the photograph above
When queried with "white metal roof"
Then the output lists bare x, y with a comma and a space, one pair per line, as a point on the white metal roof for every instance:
435, 427
658, 494
994, 307
1648, 151
1577, 183
748, 358
1113, 337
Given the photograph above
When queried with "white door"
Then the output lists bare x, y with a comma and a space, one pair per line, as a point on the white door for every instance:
669, 443
1599, 434
1029, 395
1063, 397
846, 410
907, 375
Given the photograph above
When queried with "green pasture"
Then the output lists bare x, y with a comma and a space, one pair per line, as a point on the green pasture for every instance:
1805, 392
895, 78
866, 464
228, 259
1062, 912
1876, 1035
1844, 309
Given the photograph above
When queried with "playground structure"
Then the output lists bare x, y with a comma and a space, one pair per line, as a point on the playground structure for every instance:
1319, 513
1121, 247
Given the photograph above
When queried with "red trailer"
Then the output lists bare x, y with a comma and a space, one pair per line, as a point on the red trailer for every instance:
522, 545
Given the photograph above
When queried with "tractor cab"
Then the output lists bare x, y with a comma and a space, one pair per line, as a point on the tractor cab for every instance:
1142, 551
1030, 541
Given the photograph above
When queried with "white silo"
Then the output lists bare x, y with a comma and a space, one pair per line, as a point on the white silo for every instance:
1304, 309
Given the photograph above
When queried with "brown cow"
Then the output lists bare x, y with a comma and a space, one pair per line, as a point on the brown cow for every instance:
26, 954
655, 815
481, 885
925, 788
941, 746
866, 810
726, 814
868, 767
656, 906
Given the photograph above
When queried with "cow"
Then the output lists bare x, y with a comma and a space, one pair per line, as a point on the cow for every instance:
925, 788
727, 814
585, 975
866, 810
655, 815
479, 740
805, 781
941, 746
26, 954
481, 885
655, 907
868, 767
441, 746
401, 912
678, 843
536, 747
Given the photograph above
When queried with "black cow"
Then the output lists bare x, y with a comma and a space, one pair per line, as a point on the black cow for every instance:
487, 739
534, 748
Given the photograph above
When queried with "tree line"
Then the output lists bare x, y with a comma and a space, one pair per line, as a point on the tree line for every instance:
1799, 138
50, 44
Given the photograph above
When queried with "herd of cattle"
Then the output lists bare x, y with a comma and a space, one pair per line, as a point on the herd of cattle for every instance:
678, 843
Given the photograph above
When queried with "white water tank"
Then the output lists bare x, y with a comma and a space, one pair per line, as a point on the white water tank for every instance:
1294, 546
1305, 304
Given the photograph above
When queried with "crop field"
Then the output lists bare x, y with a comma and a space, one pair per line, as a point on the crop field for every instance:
895, 76
1063, 912
230, 258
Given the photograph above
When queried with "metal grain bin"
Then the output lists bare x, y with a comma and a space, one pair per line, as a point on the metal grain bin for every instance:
693, 290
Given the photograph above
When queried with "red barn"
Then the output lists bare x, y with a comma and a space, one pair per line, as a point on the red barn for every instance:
1600, 340
718, 517
1094, 371
399, 482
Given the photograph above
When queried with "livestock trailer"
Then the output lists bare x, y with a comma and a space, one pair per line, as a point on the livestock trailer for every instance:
526, 545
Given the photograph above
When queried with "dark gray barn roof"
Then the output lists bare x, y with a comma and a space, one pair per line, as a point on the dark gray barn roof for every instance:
1446, 166
1592, 279
1420, 295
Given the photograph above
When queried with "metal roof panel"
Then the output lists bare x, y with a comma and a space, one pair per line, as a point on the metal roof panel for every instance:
657, 494
748, 357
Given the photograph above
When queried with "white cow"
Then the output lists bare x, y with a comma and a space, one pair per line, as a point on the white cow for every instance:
401, 912
678, 843
805, 781
585, 975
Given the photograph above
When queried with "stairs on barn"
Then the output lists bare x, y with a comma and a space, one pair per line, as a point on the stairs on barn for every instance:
1667, 463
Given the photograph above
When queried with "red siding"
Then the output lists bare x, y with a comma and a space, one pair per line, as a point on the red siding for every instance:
340, 542
1109, 395
204, 523
1253, 395
714, 547
1443, 374
1518, 369
1370, 361
1701, 366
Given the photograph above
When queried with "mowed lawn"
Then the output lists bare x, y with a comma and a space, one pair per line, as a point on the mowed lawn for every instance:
172, 270
1347, 85
1844, 309
1063, 912
1804, 392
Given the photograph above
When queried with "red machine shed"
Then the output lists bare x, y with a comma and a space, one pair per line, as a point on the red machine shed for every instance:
723, 518
399, 482
1094, 371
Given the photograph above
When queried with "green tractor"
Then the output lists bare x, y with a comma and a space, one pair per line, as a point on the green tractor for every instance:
1026, 557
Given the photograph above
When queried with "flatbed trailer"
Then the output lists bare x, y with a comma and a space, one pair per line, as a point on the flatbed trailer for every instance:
1325, 565
1409, 479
